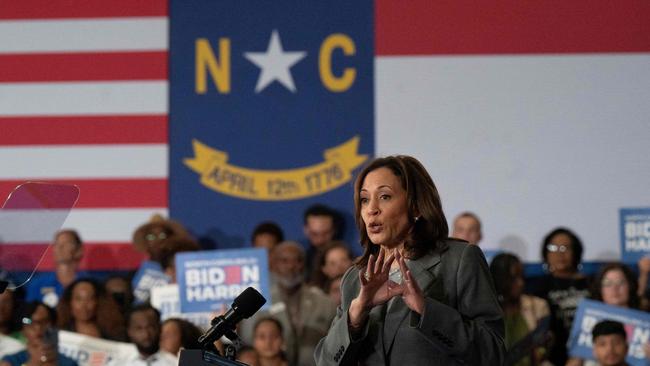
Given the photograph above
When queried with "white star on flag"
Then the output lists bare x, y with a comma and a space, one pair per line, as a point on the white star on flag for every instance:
275, 64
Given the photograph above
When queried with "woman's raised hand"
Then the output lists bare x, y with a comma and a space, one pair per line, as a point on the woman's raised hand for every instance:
411, 292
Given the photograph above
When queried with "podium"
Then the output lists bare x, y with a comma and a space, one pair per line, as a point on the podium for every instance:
196, 357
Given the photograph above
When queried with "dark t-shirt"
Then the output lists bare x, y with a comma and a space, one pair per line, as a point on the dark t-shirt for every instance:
563, 296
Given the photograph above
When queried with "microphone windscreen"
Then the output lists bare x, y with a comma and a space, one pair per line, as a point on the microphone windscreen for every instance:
249, 302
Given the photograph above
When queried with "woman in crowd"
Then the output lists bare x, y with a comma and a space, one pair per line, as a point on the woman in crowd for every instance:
268, 342
248, 355
414, 297
522, 313
563, 286
42, 341
332, 262
86, 309
177, 334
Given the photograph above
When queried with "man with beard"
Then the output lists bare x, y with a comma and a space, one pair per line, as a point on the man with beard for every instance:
304, 311
143, 328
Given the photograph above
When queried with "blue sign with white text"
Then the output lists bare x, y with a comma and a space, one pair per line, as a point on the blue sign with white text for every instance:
149, 275
271, 110
589, 313
635, 234
209, 280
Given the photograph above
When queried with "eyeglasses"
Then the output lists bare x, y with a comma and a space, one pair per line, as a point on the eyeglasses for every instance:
153, 237
612, 283
554, 248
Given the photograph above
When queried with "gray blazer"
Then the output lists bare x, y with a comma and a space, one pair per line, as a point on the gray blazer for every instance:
462, 322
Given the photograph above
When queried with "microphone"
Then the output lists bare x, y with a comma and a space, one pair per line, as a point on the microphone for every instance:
243, 307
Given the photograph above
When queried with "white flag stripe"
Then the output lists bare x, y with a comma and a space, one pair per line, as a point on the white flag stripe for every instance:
84, 161
83, 98
114, 34
547, 135
110, 225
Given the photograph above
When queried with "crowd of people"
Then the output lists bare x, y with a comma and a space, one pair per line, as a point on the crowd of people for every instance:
325, 303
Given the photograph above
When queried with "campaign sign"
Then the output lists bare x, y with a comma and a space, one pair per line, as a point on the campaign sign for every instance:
211, 279
589, 313
271, 111
168, 302
149, 275
635, 234
91, 351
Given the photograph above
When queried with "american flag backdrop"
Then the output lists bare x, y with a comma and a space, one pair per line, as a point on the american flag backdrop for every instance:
83, 100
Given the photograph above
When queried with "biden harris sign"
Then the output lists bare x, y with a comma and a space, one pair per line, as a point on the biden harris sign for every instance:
209, 280
271, 110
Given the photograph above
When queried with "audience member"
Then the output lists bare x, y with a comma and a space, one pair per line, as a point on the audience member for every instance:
149, 237
168, 250
9, 322
177, 334
467, 226
67, 252
304, 311
522, 313
269, 342
267, 235
332, 261
248, 355
321, 225
143, 327
42, 341
563, 287
609, 343
120, 289
85, 309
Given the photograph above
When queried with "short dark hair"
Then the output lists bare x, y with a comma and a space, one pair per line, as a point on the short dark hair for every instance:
422, 198
139, 309
576, 245
633, 300
608, 327
268, 227
270, 319
71, 232
318, 210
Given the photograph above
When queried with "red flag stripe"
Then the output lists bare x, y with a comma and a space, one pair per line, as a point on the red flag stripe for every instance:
424, 27
97, 256
39, 9
109, 193
75, 130
84, 66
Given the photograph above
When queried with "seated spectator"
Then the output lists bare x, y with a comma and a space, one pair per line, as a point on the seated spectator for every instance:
522, 313
9, 322
334, 259
149, 237
304, 311
143, 327
268, 342
248, 355
42, 346
267, 235
467, 226
609, 343
321, 226
615, 285
177, 334
85, 309
563, 287
168, 250
119, 288
47, 287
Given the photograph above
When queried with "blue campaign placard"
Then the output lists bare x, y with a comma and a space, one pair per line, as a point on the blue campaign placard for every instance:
635, 234
589, 313
149, 275
211, 279
271, 110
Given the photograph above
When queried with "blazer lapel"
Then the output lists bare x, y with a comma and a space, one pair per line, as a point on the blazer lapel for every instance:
422, 271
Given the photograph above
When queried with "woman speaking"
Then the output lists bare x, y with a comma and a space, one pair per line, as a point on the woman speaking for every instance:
414, 297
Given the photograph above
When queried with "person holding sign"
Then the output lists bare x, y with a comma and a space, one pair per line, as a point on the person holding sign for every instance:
415, 297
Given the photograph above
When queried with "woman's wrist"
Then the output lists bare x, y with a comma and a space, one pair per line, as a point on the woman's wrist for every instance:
357, 314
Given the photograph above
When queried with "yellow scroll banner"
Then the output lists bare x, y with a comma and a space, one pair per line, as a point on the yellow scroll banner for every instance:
275, 185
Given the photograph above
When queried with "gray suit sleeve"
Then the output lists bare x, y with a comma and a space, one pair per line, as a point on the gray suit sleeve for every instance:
339, 347
474, 332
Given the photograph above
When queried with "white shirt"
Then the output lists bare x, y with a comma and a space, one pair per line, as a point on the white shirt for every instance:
160, 358
9, 346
